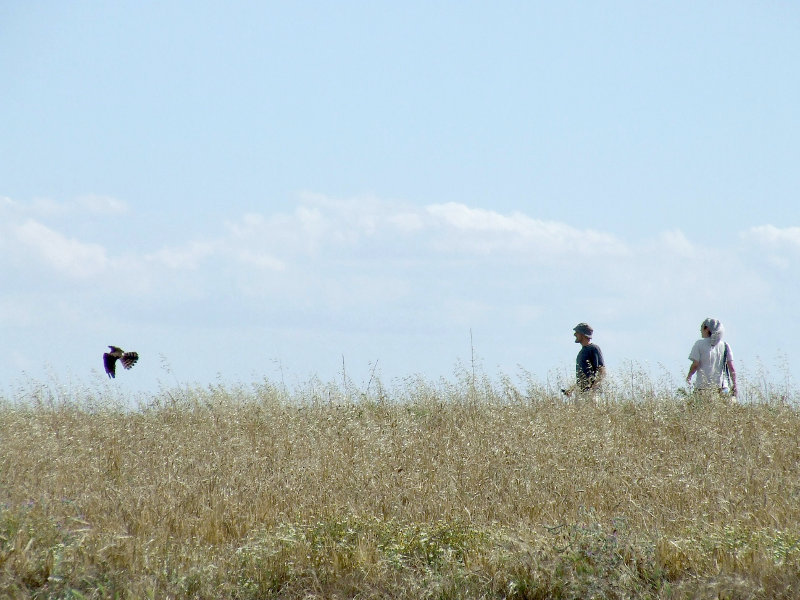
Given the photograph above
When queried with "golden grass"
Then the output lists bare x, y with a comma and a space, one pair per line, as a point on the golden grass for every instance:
440, 490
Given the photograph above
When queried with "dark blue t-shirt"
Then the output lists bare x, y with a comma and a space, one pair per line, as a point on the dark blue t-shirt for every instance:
589, 360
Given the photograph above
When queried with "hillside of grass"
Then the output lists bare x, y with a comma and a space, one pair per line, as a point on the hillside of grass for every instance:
448, 489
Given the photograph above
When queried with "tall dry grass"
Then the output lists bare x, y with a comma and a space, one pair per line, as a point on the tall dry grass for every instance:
432, 489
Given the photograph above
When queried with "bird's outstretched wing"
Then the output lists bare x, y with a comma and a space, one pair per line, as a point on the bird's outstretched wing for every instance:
109, 362
129, 359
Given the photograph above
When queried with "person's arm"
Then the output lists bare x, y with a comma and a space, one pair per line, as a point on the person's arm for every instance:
599, 375
732, 372
598, 366
692, 370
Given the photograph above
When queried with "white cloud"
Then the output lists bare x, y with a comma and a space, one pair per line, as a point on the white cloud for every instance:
188, 256
300, 232
68, 256
349, 220
241, 242
322, 224
676, 243
486, 232
322, 228
7, 204
776, 246
324, 237
33, 236
318, 225
406, 222
462, 217
101, 205
250, 224
774, 236
89, 204
260, 260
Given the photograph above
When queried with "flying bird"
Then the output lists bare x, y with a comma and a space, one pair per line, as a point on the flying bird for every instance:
128, 359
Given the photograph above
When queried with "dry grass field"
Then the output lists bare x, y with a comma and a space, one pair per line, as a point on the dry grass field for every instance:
430, 490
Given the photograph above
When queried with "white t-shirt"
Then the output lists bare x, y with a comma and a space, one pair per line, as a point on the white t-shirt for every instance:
711, 372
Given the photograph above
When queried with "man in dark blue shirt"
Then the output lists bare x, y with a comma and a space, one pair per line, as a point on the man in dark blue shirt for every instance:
590, 368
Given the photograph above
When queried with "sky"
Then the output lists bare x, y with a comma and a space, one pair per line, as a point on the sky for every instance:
331, 191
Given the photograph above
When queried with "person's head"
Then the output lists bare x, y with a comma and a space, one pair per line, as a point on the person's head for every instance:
712, 328
583, 333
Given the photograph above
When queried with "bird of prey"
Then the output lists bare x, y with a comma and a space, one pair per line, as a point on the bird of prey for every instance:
128, 359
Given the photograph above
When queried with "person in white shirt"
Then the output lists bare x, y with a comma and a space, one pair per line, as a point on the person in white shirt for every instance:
712, 360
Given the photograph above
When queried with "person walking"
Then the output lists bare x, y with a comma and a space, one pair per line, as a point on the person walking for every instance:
590, 368
712, 361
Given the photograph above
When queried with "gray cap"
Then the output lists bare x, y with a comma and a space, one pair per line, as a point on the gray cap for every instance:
585, 329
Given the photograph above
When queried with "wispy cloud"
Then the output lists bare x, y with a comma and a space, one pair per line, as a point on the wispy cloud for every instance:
67, 256
778, 247
101, 205
260, 260
677, 244
89, 204
359, 247
393, 228
769, 235
322, 231
486, 231
185, 256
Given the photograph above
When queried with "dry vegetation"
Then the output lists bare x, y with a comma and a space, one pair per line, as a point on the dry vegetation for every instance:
437, 490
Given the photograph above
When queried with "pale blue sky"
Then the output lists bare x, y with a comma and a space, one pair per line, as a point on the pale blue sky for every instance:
277, 185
